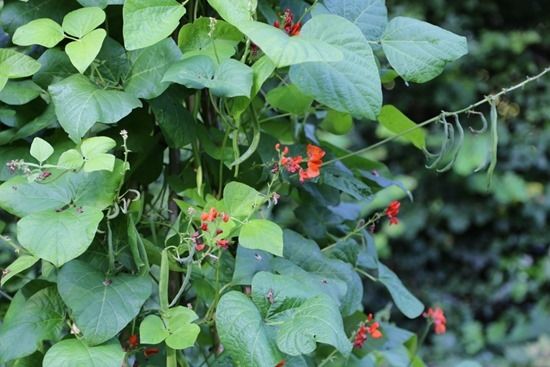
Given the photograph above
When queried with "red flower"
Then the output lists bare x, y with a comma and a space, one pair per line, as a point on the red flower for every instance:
225, 217
288, 25
292, 164
314, 162
148, 352
392, 211
223, 244
133, 341
200, 246
281, 363
369, 327
204, 227
438, 318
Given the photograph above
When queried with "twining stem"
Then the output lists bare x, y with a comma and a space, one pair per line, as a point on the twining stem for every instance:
469, 108
111, 247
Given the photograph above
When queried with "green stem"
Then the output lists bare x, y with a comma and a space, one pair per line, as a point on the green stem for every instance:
420, 341
111, 248
163, 281
362, 272
471, 107
171, 357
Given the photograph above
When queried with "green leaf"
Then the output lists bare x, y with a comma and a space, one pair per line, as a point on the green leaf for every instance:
41, 150
241, 200
80, 22
243, 333
20, 92
83, 52
148, 66
289, 98
92, 147
56, 66
70, 351
230, 79
248, 263
197, 39
183, 332
44, 32
79, 104
15, 65
235, 11
262, 234
59, 237
98, 190
100, 162
351, 85
102, 305
71, 159
147, 22
395, 121
152, 330
284, 50
371, 16
339, 123
408, 304
20, 264
307, 255
41, 317
419, 51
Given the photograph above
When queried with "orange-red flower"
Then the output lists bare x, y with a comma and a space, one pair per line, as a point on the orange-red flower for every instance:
392, 211
438, 318
369, 327
291, 28
133, 341
223, 244
314, 162
148, 352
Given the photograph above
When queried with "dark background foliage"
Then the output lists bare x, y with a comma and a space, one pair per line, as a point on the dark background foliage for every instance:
480, 254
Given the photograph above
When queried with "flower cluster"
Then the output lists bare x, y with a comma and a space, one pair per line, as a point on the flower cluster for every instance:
210, 221
288, 25
369, 327
438, 318
293, 164
392, 211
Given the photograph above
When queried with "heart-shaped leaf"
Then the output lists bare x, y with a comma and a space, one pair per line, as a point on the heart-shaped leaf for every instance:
79, 104
419, 51
83, 52
59, 236
371, 16
230, 79
44, 32
147, 22
80, 22
102, 305
41, 149
22, 263
15, 65
19, 92
351, 85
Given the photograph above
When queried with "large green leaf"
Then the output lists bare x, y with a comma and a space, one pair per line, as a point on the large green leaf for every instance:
44, 32
395, 121
241, 200
19, 92
248, 263
405, 301
419, 51
101, 305
59, 236
15, 65
74, 352
371, 16
289, 98
243, 333
148, 66
304, 315
306, 254
20, 197
83, 51
351, 85
79, 104
197, 39
262, 234
80, 22
147, 22
41, 317
235, 11
230, 79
